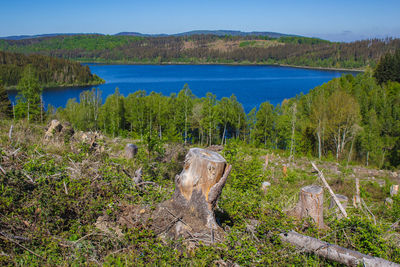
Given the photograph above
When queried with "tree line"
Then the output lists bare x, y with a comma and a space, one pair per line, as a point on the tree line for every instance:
50, 71
347, 119
300, 51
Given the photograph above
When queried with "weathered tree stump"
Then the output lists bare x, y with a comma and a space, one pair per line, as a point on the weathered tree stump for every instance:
394, 190
343, 200
190, 212
310, 204
199, 185
130, 151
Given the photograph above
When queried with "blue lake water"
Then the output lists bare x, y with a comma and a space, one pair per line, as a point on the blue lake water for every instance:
252, 85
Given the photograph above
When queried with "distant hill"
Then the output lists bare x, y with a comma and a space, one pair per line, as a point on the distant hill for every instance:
234, 33
190, 33
21, 37
206, 47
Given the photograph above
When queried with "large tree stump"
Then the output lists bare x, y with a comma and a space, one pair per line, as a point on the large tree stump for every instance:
189, 214
310, 204
199, 185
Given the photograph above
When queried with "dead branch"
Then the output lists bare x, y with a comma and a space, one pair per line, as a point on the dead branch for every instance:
10, 132
366, 207
18, 244
2, 170
29, 177
65, 188
321, 176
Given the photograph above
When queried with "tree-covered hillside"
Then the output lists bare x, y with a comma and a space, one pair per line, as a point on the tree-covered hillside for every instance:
51, 71
292, 50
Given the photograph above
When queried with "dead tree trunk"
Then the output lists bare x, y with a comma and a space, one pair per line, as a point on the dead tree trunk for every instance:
199, 185
333, 252
357, 198
310, 204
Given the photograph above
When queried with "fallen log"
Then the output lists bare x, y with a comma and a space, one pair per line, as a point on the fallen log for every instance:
333, 252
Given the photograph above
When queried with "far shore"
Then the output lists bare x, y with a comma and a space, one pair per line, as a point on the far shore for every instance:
55, 86
216, 63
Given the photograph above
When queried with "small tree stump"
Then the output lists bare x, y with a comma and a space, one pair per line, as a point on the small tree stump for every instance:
310, 204
343, 200
130, 151
265, 186
389, 202
284, 170
394, 190
199, 185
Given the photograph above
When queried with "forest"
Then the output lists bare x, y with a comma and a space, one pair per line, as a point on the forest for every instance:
208, 49
51, 72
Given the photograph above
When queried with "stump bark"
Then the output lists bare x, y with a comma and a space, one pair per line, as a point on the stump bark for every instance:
199, 185
310, 204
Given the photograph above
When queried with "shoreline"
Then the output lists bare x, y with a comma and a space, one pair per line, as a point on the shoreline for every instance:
14, 87
217, 64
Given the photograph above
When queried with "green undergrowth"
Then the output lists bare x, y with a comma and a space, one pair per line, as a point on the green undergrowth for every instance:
52, 195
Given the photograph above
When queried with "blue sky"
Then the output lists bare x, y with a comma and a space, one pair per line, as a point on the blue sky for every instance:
334, 20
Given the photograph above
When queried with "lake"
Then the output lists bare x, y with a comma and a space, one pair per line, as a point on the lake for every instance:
252, 85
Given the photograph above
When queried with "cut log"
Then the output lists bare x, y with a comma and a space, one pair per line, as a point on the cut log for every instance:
394, 190
200, 184
310, 204
333, 252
